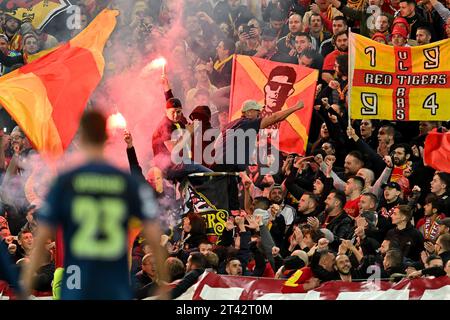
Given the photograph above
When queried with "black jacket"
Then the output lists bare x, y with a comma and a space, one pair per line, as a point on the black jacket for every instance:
410, 241
341, 226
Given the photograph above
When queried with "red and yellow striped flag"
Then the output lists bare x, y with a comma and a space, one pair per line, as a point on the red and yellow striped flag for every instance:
47, 97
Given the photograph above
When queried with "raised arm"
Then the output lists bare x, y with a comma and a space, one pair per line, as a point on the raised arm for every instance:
280, 115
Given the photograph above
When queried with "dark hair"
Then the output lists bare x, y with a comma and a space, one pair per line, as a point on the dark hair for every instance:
395, 257
359, 181
199, 260
212, 260
342, 61
406, 211
22, 232
304, 34
358, 155
433, 257
445, 177
335, 36
340, 18
262, 203
276, 15
340, 196
197, 222
93, 127
317, 59
284, 71
408, 1
390, 129
445, 241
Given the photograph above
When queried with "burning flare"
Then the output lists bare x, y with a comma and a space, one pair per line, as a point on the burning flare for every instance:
153, 65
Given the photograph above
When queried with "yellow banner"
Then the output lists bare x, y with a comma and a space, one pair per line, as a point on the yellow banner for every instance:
39, 12
399, 83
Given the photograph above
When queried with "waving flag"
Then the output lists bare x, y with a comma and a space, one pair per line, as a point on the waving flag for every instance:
399, 83
277, 86
47, 96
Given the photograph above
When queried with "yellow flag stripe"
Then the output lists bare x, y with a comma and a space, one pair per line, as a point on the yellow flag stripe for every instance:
23, 91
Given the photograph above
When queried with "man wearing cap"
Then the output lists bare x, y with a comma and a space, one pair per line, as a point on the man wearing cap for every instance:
269, 50
391, 200
379, 37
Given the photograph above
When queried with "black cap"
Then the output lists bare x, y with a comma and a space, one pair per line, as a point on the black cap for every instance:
392, 184
173, 103
269, 34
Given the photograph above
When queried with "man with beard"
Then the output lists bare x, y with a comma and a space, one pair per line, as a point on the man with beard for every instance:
302, 42
340, 42
409, 238
334, 218
428, 225
401, 155
220, 69
287, 43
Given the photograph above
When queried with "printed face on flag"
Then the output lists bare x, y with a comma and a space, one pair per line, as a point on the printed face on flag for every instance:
276, 86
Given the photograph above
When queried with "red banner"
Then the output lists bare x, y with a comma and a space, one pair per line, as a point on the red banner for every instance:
219, 287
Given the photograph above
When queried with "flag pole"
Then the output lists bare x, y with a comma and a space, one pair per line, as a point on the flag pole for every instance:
350, 78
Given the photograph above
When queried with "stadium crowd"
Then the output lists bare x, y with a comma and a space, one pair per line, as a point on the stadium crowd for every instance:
360, 196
